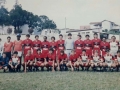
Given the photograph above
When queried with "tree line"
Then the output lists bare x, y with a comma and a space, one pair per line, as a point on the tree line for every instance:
18, 17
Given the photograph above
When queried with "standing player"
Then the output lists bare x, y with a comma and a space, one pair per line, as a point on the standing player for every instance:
62, 61
50, 61
88, 45
69, 44
39, 60
96, 44
109, 61
84, 60
36, 44
79, 45
73, 63
45, 46
17, 46
60, 44
27, 44
28, 61
96, 61
8, 47
53, 44
114, 45
104, 46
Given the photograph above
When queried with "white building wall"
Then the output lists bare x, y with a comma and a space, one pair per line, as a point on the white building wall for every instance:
106, 25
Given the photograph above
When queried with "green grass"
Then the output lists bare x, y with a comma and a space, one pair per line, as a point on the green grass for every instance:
60, 81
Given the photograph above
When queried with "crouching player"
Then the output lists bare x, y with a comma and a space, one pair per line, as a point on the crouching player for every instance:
62, 61
73, 63
28, 61
96, 61
39, 61
109, 61
84, 61
4, 60
14, 63
117, 59
50, 60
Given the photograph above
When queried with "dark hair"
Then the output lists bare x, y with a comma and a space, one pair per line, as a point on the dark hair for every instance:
69, 34
27, 35
79, 35
118, 51
83, 50
62, 51
107, 50
38, 49
113, 36
36, 36
95, 34
87, 36
45, 37
15, 52
53, 37
51, 49
8, 37
61, 35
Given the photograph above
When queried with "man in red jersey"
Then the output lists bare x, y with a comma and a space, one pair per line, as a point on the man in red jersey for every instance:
62, 61
73, 63
45, 46
8, 47
79, 45
53, 44
109, 61
39, 60
60, 44
96, 61
104, 46
88, 45
27, 44
28, 61
14, 63
96, 44
50, 60
84, 60
36, 44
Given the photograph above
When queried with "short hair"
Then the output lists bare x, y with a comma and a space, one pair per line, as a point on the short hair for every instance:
113, 36
69, 34
95, 34
8, 37
53, 37
61, 35
27, 35
79, 35
87, 36
51, 49
38, 49
45, 37
118, 51
36, 36
15, 52
83, 50
107, 50
62, 51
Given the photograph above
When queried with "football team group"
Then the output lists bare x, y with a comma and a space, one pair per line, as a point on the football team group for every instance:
60, 55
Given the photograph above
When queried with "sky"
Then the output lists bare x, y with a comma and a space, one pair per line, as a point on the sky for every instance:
77, 12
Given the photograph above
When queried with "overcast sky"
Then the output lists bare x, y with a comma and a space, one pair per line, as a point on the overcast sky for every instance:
77, 12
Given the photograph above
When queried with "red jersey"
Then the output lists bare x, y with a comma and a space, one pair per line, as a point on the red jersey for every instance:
54, 46
17, 45
8, 46
62, 57
51, 57
60, 45
45, 47
88, 45
79, 45
27, 45
73, 58
39, 57
29, 58
104, 46
36, 45
96, 43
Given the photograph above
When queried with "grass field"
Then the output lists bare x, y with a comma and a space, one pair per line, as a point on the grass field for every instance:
60, 81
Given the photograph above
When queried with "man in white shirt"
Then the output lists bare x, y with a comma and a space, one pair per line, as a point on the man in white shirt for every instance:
69, 44
1, 47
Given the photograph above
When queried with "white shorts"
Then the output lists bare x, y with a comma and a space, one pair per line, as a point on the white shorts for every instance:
109, 64
68, 52
113, 52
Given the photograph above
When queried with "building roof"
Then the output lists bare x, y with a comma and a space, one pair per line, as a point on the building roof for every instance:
95, 22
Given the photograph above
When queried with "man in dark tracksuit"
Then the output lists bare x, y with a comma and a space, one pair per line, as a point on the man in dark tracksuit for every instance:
4, 60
